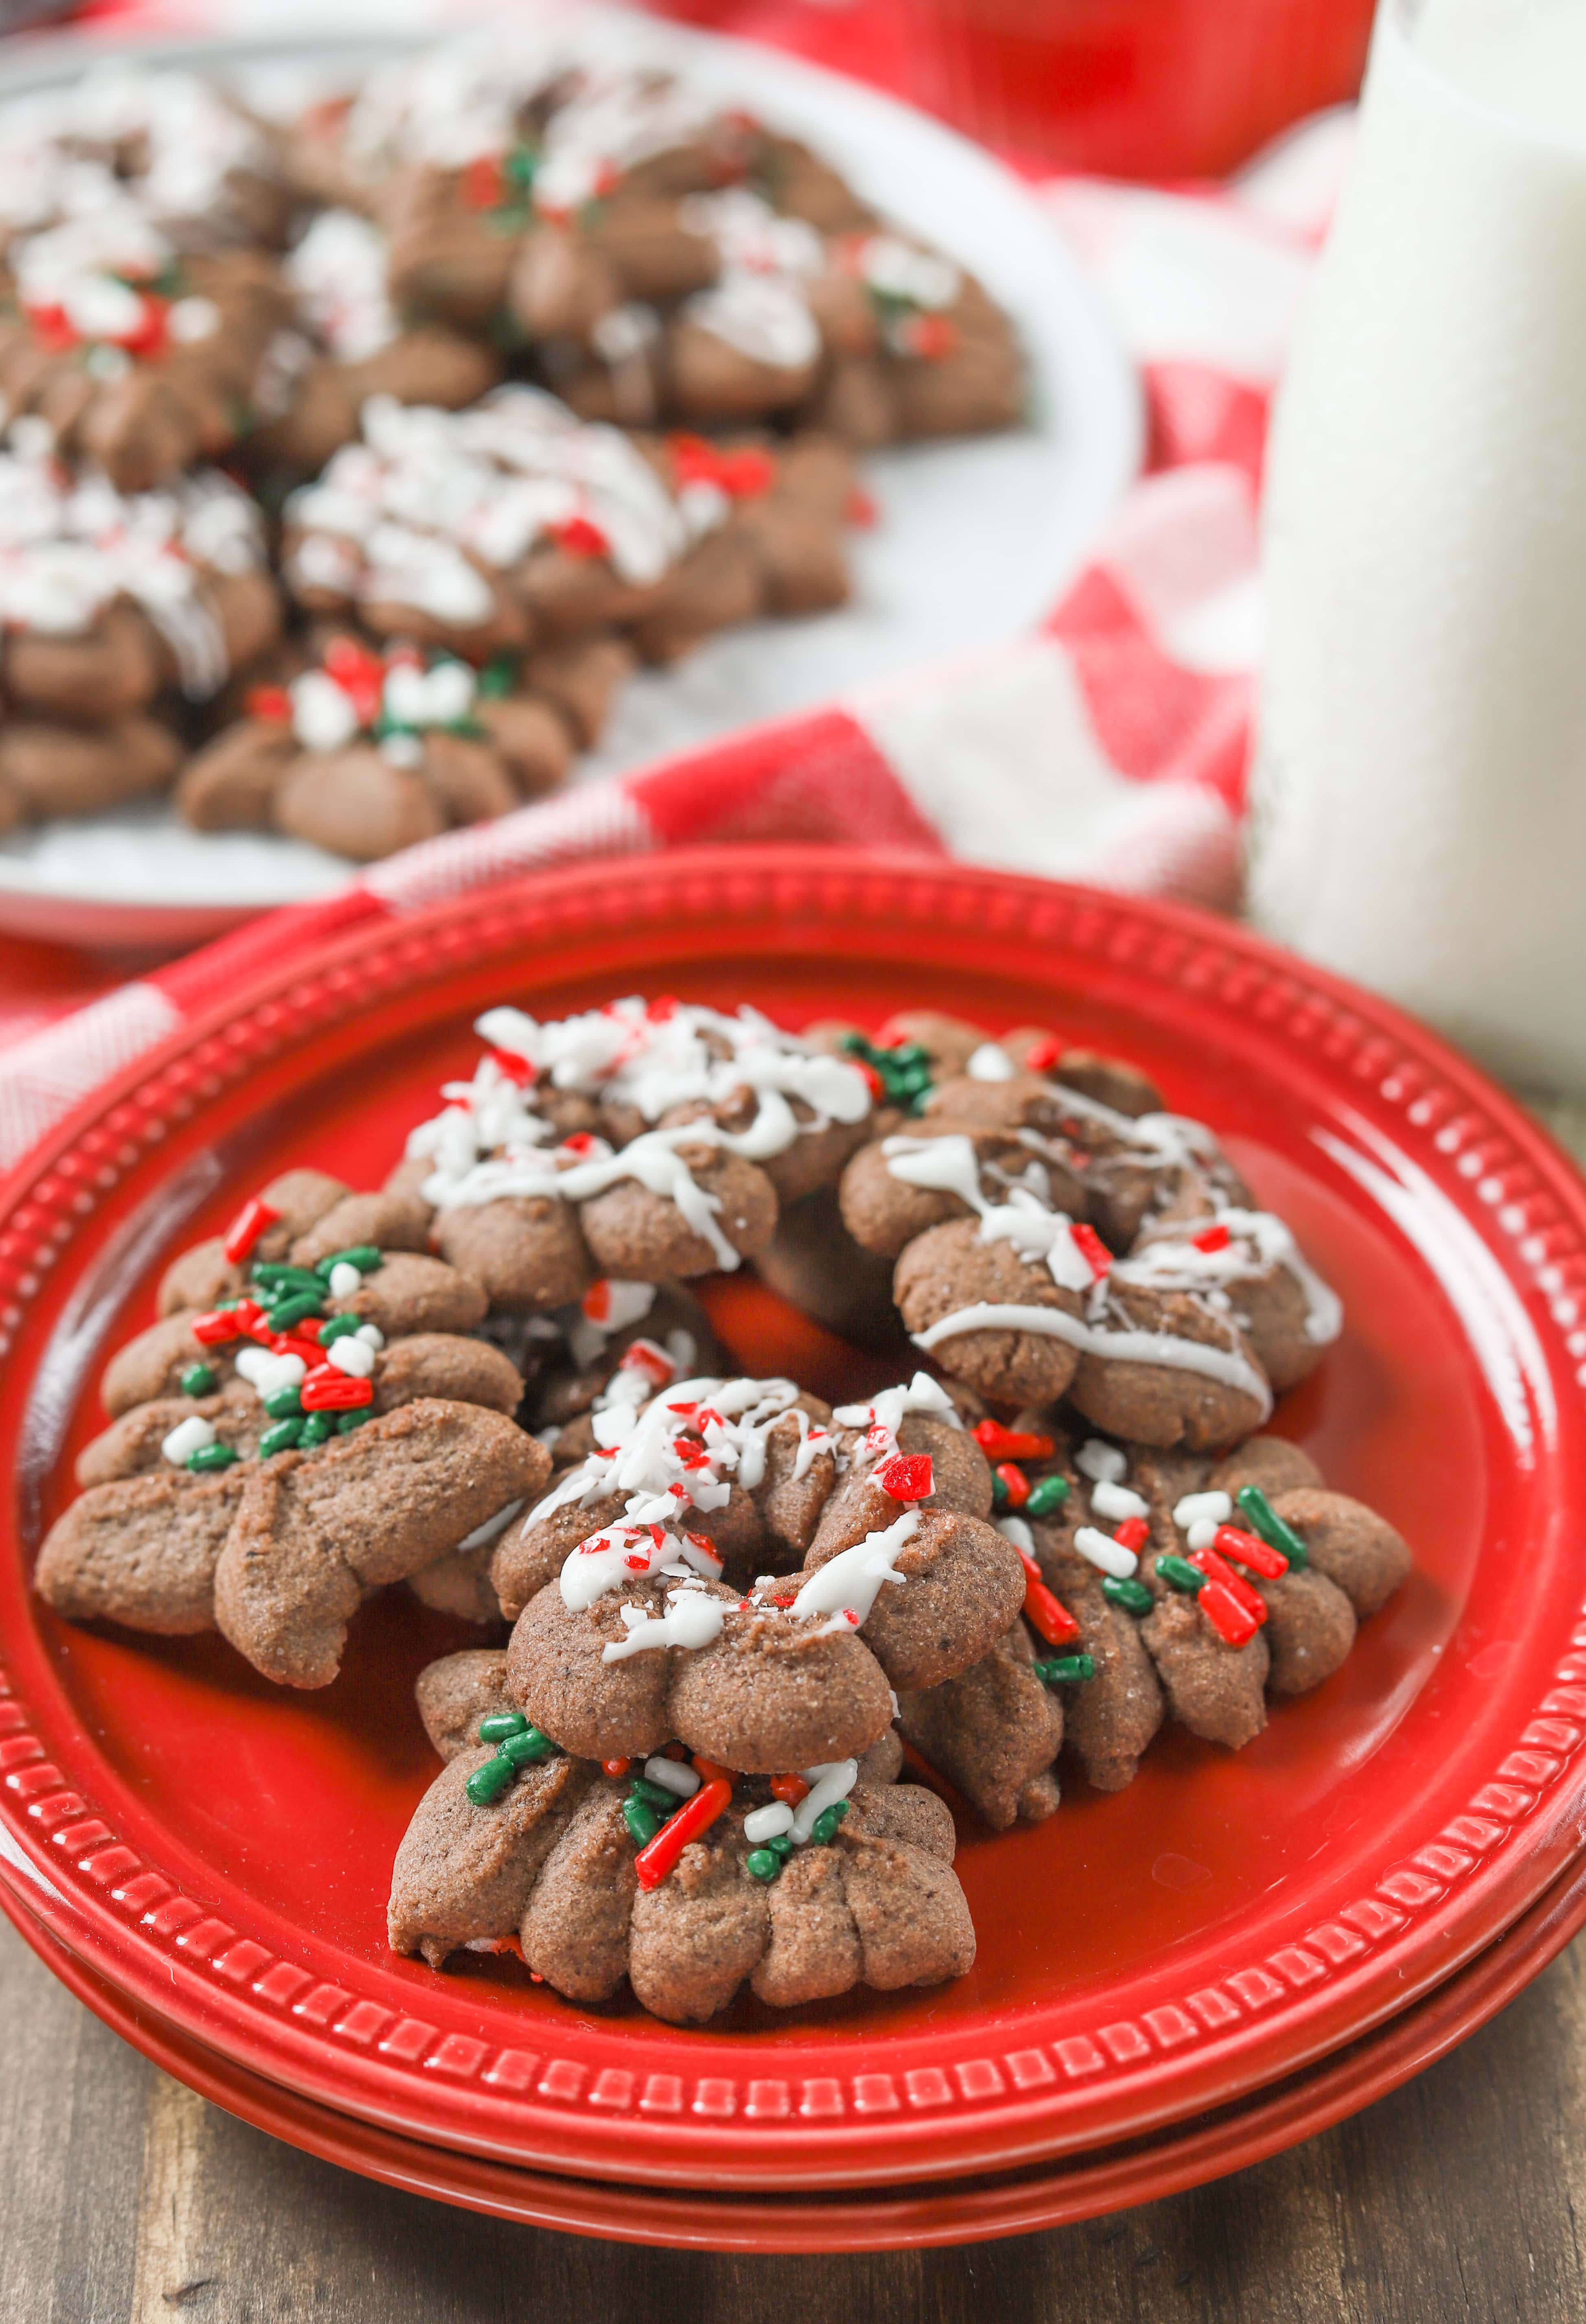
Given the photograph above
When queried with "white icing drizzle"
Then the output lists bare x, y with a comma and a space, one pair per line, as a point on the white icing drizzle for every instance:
682, 1448
902, 272
492, 1528
691, 1620
429, 497
850, 1581
70, 546
890, 1407
338, 275
179, 135
492, 1143
758, 305
1166, 1258
1026, 1219
1122, 1345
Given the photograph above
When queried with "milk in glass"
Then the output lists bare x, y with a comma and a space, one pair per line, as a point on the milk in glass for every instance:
1420, 786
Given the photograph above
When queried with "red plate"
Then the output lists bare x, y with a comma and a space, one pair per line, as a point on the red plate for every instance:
217, 1850
1050, 2195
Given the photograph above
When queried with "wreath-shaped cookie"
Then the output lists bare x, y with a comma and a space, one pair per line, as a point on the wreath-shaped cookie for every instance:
309, 1420
1161, 1586
643, 1141
640, 1622
1054, 1232
678, 1875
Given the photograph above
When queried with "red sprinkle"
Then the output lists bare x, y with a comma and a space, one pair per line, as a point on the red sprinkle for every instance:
696, 1815
876, 1086
272, 702
663, 1009
1042, 1611
580, 1143
931, 337
580, 538
483, 183
334, 1392
1015, 1482
1000, 1444
1212, 1238
860, 510
745, 474
1227, 1616
710, 1771
520, 1071
1043, 1056
1251, 1550
292, 1343
615, 1766
1132, 1533
907, 1477
360, 674
789, 1787
1217, 1570
215, 1327
246, 1228
1092, 1248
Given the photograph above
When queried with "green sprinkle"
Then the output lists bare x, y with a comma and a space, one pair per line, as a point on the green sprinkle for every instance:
488, 1783
1132, 1596
908, 1055
1271, 1527
654, 1796
1181, 1574
782, 1843
303, 1305
1066, 1670
276, 1276
642, 1821
825, 1824
1048, 1494
317, 1427
500, 1724
498, 679
520, 165
763, 1863
340, 1327
363, 1256
284, 1403
345, 1422
998, 1492
211, 1456
279, 1439
198, 1379
529, 1749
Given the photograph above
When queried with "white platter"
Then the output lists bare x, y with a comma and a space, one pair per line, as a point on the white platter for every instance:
974, 543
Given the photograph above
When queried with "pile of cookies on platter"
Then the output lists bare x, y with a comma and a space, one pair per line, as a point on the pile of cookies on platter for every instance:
718, 1622
349, 465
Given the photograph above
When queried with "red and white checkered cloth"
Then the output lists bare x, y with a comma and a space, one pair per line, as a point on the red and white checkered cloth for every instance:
1111, 746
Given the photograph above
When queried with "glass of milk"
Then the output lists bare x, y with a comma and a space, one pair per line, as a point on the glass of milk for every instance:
1420, 787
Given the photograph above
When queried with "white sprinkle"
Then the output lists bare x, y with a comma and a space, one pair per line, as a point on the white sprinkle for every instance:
673, 1776
1203, 1534
990, 1064
1104, 1463
828, 1783
1102, 1550
490, 1528
768, 1823
1195, 1507
344, 1280
1014, 1529
1116, 1502
189, 1436
350, 1355
371, 1336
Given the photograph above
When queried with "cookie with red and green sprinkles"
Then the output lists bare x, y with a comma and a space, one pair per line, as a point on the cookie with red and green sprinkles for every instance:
329, 1422
1160, 1586
672, 1871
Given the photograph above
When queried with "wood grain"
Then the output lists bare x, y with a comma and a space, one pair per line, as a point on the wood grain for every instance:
126, 2199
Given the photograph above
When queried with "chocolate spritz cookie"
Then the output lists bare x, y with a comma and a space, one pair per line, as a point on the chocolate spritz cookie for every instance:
311, 1418
647, 1143
107, 603
652, 255
1054, 1232
512, 527
678, 1874
640, 1623
363, 752
1161, 1585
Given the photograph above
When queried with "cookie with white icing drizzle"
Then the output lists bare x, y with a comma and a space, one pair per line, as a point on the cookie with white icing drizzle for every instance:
681, 1875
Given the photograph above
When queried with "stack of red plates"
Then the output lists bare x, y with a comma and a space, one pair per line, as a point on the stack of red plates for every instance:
1172, 1981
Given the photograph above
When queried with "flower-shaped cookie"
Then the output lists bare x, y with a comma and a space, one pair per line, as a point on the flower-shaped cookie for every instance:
1160, 1586
686, 1878
322, 1425
629, 1635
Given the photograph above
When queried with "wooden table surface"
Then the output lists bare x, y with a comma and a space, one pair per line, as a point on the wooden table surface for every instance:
126, 2199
